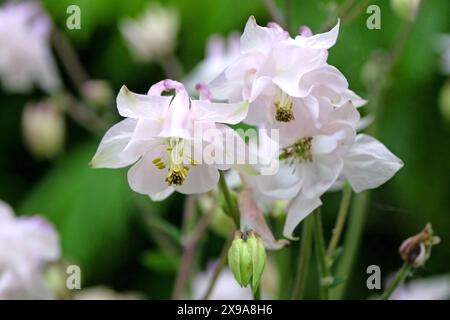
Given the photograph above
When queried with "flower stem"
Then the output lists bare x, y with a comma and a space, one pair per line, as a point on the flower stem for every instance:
303, 260
352, 239
231, 204
324, 271
340, 221
220, 265
399, 278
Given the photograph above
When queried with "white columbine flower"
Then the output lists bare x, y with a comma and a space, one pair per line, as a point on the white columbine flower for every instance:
313, 157
220, 53
278, 74
152, 35
25, 56
159, 136
26, 245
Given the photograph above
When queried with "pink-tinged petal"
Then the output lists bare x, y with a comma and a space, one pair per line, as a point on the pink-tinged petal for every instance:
321, 40
305, 31
357, 101
325, 76
320, 175
255, 37
144, 177
369, 164
260, 86
252, 218
294, 64
346, 113
112, 144
324, 144
285, 184
200, 179
231, 113
132, 105
178, 121
298, 209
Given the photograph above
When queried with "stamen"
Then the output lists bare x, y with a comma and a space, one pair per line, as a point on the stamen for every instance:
300, 150
283, 107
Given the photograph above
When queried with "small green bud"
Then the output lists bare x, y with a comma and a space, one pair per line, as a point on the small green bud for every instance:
444, 101
246, 258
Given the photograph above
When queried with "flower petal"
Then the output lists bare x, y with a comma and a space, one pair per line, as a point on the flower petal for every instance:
320, 175
252, 218
298, 209
112, 144
144, 177
285, 184
231, 113
321, 40
369, 163
200, 179
132, 105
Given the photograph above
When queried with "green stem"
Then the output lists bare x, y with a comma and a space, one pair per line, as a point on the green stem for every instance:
231, 204
304, 259
352, 240
399, 278
324, 271
340, 221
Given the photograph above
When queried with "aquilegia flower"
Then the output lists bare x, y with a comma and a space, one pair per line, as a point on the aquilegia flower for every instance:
25, 56
152, 35
279, 74
26, 245
163, 136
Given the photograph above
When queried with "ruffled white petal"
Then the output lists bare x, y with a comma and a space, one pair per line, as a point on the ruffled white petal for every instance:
200, 179
132, 105
369, 164
144, 177
298, 209
320, 175
321, 40
231, 113
112, 144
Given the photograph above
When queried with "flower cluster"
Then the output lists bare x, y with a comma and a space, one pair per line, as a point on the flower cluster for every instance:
291, 87
26, 245
276, 82
25, 55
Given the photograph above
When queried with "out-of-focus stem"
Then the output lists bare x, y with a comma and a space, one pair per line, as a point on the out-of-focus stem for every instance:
304, 259
219, 267
319, 244
231, 204
340, 221
191, 243
399, 278
274, 12
171, 66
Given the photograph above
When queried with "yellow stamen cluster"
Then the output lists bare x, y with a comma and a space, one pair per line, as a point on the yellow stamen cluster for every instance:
300, 150
177, 171
283, 107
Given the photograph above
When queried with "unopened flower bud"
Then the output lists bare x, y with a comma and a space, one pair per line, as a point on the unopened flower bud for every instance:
416, 250
98, 93
406, 9
43, 129
246, 258
444, 101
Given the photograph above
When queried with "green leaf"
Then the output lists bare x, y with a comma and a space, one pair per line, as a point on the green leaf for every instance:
91, 209
160, 262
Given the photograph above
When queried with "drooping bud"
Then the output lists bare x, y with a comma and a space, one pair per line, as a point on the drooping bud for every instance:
416, 250
98, 93
43, 128
246, 258
406, 9
444, 101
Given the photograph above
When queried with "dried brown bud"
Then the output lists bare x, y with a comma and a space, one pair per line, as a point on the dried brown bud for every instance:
417, 249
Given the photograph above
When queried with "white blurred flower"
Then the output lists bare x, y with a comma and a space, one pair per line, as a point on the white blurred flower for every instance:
160, 137
431, 288
25, 56
406, 9
152, 35
27, 244
220, 53
43, 128
105, 293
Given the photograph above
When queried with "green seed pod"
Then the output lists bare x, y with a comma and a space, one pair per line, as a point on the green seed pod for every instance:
258, 259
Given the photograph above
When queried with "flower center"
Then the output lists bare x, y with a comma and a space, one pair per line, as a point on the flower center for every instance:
300, 150
283, 107
176, 162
